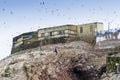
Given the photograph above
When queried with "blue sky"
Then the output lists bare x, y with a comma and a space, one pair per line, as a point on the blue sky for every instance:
19, 16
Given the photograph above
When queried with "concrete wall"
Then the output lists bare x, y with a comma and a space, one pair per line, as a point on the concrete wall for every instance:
89, 30
66, 30
86, 29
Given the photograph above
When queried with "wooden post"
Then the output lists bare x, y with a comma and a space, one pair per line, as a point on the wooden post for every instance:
40, 48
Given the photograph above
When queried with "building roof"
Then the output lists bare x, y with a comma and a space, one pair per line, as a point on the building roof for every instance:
57, 26
92, 23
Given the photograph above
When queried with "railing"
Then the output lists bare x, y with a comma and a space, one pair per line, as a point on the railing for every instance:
104, 32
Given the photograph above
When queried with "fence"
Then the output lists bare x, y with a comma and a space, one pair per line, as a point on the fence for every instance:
111, 34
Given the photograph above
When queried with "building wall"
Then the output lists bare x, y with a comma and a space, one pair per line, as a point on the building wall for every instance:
17, 41
25, 38
99, 26
72, 31
30, 37
24, 41
56, 34
46, 31
66, 30
87, 31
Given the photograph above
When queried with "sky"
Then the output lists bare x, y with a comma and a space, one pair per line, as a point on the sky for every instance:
20, 16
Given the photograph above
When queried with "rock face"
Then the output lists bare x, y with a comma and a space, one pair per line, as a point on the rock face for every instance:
73, 61
112, 76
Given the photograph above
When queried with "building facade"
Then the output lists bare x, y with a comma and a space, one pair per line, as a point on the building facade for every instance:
24, 41
86, 32
89, 28
56, 34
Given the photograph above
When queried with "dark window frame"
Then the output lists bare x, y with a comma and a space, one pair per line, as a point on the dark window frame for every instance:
81, 29
50, 34
42, 34
61, 32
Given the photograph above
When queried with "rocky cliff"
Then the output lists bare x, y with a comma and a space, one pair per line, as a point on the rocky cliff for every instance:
72, 61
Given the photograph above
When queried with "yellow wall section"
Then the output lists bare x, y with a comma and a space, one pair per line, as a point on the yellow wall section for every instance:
86, 29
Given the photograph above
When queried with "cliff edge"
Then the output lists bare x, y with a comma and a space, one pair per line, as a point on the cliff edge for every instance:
70, 61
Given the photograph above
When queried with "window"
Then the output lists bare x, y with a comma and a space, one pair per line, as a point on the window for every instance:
91, 28
61, 32
50, 33
81, 29
30, 36
42, 34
